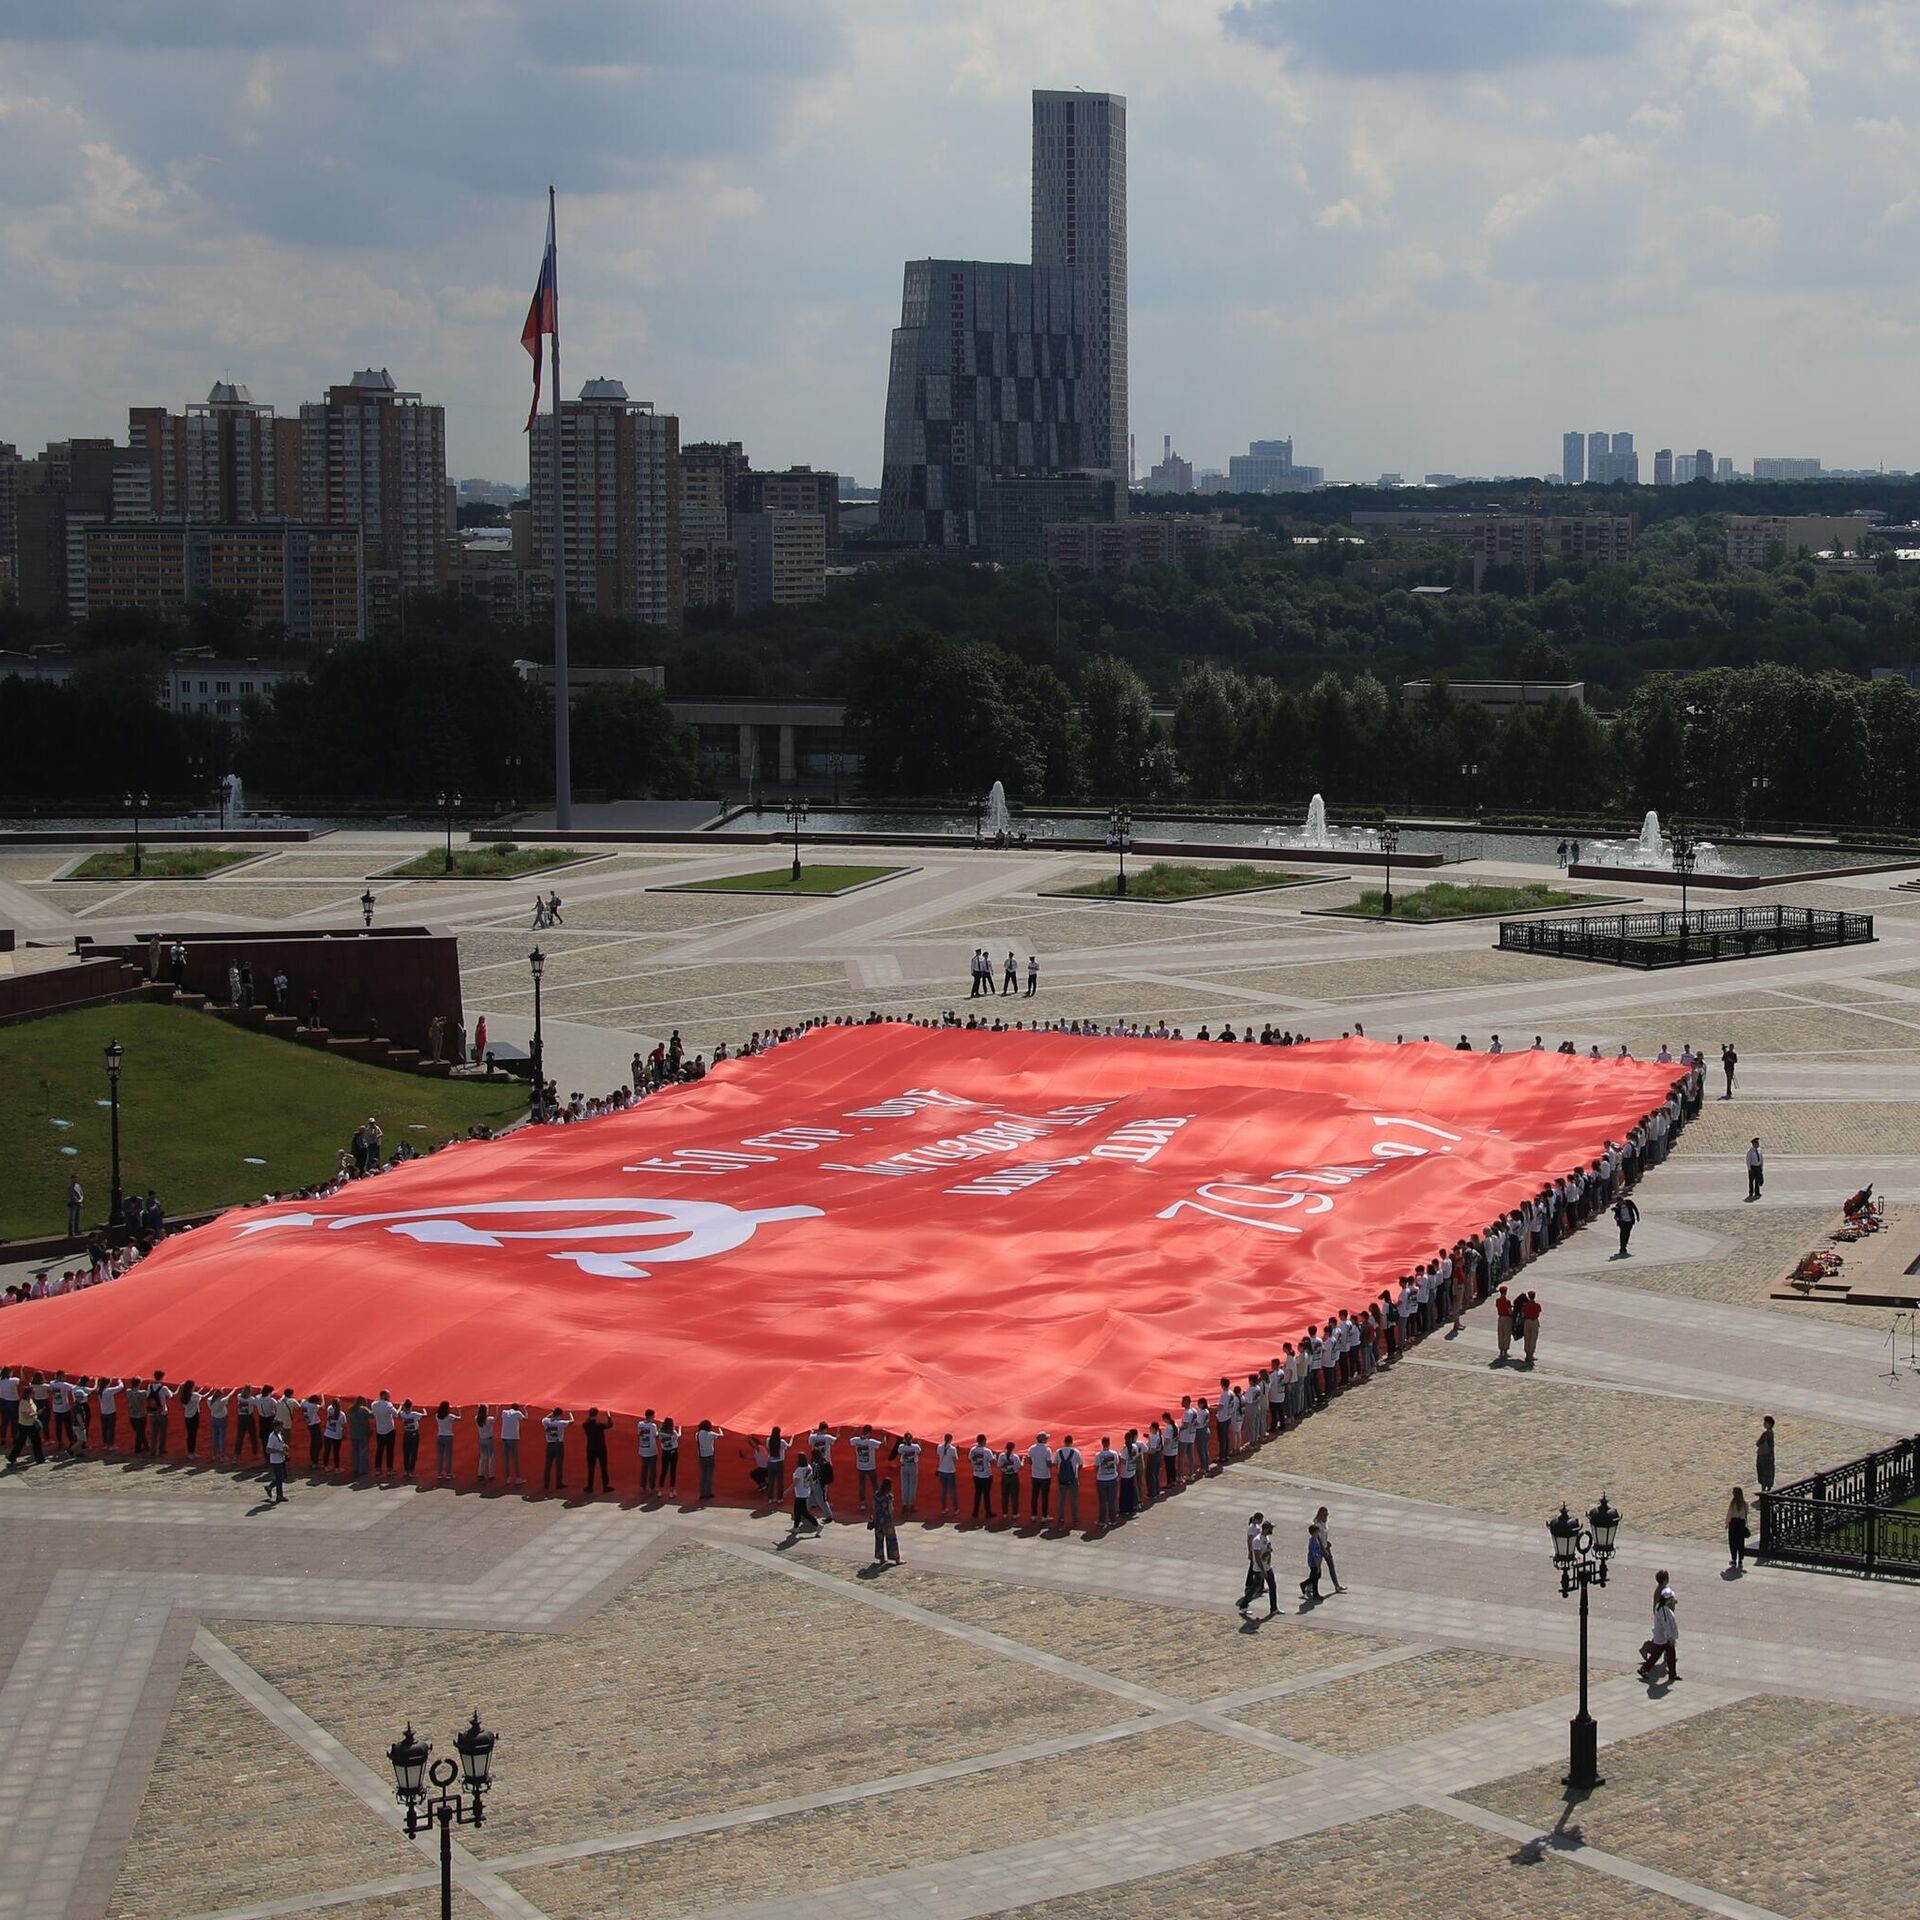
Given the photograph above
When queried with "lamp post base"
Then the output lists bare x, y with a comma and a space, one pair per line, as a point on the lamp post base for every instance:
1583, 1754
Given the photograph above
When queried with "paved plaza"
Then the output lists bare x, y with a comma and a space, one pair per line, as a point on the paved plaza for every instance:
698, 1718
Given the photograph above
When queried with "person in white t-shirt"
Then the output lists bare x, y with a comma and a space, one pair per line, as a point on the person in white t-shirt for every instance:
410, 1419
803, 1518
866, 1460
1008, 1462
386, 1418
1106, 1482
1040, 1476
980, 1462
906, 1452
706, 1439
647, 1432
946, 1464
553, 1474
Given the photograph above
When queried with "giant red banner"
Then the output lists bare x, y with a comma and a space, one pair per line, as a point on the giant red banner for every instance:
924, 1229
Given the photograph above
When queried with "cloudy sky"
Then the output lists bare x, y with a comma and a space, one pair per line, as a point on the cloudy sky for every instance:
1415, 234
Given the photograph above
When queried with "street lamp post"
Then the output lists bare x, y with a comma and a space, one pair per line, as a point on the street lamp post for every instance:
1120, 836
449, 805
979, 816
429, 1794
366, 906
136, 804
1684, 851
1389, 845
115, 1053
537, 961
796, 818
1580, 1556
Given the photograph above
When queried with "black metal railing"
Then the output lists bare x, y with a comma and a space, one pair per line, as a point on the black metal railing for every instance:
1853, 1519
1681, 940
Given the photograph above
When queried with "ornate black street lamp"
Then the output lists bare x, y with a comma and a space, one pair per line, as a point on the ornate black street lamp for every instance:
1580, 1556
1684, 851
796, 818
537, 962
136, 804
366, 906
449, 804
1389, 845
115, 1053
1120, 837
429, 1794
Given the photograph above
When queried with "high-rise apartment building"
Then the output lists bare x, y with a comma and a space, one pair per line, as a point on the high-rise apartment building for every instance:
225, 460
1599, 446
1001, 369
619, 493
10, 464
782, 557
1801, 468
1611, 458
375, 457
797, 490
1663, 467
1702, 464
1573, 458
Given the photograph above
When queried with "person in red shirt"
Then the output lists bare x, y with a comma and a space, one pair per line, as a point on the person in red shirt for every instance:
1503, 1326
1528, 1308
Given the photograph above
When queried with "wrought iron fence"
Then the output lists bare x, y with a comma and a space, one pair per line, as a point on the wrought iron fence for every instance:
1854, 1519
1680, 940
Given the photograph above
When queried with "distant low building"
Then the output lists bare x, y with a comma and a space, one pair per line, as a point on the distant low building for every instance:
1118, 546
1500, 696
1775, 468
1267, 467
1751, 537
581, 680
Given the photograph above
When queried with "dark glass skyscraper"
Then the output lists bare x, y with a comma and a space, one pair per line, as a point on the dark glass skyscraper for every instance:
1001, 369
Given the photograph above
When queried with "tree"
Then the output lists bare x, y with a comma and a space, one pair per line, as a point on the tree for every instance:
627, 743
1117, 711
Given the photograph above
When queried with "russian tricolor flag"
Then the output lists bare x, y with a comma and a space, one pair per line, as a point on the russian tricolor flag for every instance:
543, 316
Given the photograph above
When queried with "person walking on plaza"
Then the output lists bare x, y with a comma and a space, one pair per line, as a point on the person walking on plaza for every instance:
1763, 1455
1756, 1168
1626, 1216
1528, 1308
1737, 1531
277, 1467
1325, 1530
803, 1519
26, 1425
1316, 1559
886, 1539
1248, 1585
1728, 1061
1664, 1641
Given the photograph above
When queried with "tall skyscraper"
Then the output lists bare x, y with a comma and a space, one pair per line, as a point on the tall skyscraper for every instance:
620, 494
375, 458
1004, 371
1663, 467
1702, 464
1080, 229
1598, 447
1573, 458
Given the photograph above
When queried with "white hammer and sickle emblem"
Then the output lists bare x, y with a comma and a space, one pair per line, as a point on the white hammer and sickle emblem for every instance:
682, 1229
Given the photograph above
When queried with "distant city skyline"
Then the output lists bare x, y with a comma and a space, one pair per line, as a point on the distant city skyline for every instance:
1396, 246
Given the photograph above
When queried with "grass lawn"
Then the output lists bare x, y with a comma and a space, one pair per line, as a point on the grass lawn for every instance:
197, 1099
780, 880
502, 862
1448, 900
160, 863
1165, 880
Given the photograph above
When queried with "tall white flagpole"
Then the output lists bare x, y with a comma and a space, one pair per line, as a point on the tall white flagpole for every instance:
562, 693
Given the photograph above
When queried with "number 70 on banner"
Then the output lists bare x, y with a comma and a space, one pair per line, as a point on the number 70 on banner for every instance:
1246, 1203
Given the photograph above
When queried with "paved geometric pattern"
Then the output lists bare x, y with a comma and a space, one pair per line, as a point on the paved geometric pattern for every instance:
698, 1718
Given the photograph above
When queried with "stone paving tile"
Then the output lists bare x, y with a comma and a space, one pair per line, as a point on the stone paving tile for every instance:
1138, 1642
1412, 1865
1759, 1035
1868, 1130
21, 868
1419, 969
1030, 1800
255, 898
697, 1689
1501, 1443
282, 1827
409, 1906
1431, 1693
1805, 1808
623, 912
331, 866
